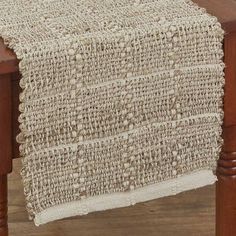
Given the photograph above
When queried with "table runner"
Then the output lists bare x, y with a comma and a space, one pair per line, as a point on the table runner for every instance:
121, 101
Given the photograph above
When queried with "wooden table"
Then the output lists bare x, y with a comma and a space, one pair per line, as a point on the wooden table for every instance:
225, 10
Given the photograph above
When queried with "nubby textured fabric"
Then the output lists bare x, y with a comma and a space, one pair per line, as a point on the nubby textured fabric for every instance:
121, 100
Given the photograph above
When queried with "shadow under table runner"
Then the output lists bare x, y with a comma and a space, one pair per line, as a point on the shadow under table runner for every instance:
121, 102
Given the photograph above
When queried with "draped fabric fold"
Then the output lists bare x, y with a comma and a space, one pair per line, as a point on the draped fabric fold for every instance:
121, 101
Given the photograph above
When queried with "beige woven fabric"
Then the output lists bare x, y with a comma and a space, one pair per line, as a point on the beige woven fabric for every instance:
121, 101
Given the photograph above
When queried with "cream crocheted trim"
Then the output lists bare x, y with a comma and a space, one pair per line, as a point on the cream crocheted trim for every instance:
117, 95
123, 199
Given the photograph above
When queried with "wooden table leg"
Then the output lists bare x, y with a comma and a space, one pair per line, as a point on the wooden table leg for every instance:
226, 195
3, 205
226, 171
5, 147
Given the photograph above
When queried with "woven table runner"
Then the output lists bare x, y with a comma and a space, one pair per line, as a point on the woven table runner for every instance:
121, 101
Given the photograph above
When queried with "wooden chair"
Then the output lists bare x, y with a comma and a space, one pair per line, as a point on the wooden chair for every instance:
225, 10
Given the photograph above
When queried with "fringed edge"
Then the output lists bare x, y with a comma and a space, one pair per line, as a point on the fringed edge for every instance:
123, 199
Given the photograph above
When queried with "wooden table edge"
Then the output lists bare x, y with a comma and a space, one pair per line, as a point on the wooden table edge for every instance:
218, 8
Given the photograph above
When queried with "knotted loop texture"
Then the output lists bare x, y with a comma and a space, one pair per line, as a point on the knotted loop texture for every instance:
121, 101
